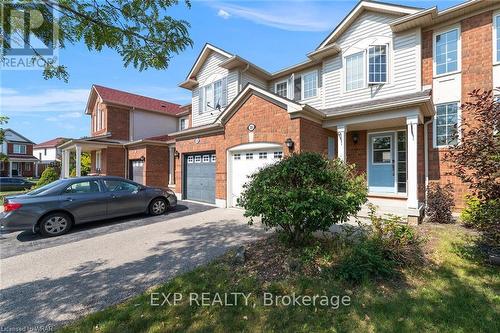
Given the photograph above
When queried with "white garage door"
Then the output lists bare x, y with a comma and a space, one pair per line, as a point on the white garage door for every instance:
246, 162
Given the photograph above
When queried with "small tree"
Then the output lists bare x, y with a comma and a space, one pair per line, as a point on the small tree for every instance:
477, 161
3, 120
302, 194
439, 203
477, 157
48, 176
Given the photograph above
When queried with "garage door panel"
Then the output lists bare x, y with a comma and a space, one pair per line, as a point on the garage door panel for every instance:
200, 178
246, 163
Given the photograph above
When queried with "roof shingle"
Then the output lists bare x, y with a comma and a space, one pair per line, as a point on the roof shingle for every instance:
137, 101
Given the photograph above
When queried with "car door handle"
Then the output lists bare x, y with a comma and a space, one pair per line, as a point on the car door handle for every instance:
114, 196
70, 199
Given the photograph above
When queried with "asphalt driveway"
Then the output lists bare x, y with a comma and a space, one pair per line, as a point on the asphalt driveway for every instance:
47, 282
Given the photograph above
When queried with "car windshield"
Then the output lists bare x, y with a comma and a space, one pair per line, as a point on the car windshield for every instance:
46, 187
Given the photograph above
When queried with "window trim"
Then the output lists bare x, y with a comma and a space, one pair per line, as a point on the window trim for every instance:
315, 71
276, 87
365, 67
19, 145
211, 85
496, 32
180, 122
434, 125
367, 62
459, 50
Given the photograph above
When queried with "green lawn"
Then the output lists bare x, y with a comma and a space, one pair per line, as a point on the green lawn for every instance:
456, 292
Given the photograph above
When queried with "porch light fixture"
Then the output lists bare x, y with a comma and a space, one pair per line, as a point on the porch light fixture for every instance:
142, 158
176, 154
289, 143
355, 137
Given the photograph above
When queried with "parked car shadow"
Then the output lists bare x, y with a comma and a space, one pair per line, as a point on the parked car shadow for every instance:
27, 241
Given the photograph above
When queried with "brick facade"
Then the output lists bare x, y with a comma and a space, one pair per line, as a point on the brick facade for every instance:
476, 73
272, 125
155, 164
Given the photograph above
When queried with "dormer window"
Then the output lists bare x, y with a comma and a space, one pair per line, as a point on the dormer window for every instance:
213, 96
377, 64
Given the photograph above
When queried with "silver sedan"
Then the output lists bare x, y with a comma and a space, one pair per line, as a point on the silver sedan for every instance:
54, 208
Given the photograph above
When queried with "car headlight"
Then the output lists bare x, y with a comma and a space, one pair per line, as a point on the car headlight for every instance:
169, 191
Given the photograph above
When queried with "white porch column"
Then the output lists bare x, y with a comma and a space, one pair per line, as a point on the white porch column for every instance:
78, 160
341, 143
412, 127
171, 162
36, 169
65, 166
10, 168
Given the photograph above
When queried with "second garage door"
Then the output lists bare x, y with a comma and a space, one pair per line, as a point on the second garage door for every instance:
244, 163
199, 178
137, 171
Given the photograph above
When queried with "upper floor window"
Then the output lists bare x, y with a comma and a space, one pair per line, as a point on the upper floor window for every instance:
281, 88
19, 149
446, 124
98, 119
183, 123
213, 96
354, 71
496, 22
377, 64
446, 51
310, 84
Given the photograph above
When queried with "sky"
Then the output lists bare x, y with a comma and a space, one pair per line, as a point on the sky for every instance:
270, 34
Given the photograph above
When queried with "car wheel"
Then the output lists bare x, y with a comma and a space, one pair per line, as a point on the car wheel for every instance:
158, 206
55, 224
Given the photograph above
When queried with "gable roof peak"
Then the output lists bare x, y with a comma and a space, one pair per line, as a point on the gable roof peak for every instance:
362, 6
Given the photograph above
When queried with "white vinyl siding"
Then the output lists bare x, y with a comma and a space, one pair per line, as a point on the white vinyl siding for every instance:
354, 71
446, 51
404, 61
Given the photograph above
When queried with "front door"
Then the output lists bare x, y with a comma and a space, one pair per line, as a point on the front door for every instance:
381, 162
16, 170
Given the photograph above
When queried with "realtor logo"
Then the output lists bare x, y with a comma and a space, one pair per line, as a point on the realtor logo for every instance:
29, 35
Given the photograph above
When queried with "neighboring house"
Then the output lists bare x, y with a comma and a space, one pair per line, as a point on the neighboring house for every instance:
383, 91
19, 151
128, 136
47, 153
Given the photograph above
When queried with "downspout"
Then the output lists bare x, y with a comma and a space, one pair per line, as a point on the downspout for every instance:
426, 155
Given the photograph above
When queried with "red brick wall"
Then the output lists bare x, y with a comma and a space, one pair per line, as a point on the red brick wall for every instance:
113, 162
272, 125
356, 152
156, 166
313, 137
476, 39
10, 148
427, 71
117, 122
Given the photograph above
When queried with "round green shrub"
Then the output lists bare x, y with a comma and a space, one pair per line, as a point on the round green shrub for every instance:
48, 176
302, 194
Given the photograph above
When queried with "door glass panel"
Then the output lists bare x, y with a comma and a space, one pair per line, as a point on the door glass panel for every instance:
382, 150
401, 162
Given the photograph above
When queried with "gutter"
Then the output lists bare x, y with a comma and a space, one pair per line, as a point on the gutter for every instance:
426, 155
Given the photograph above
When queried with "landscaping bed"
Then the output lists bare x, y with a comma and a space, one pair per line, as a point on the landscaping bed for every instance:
453, 290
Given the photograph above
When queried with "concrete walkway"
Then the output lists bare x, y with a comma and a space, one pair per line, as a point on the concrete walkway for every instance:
54, 285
